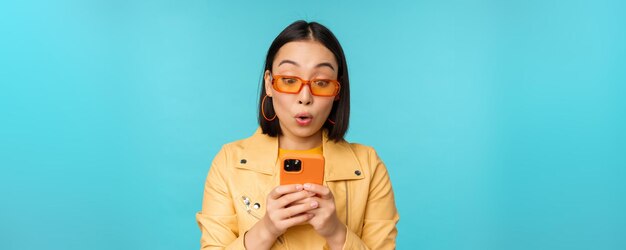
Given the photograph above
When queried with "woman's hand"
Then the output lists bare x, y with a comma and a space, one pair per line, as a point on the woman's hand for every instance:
325, 220
280, 214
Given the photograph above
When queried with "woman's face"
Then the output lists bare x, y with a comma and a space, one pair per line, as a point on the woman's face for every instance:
303, 114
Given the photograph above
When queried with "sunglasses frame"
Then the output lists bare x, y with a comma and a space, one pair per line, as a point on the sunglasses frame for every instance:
275, 78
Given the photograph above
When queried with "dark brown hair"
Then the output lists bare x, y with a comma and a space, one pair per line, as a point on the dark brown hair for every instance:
340, 113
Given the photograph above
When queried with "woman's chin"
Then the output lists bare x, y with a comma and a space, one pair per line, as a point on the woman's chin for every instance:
304, 131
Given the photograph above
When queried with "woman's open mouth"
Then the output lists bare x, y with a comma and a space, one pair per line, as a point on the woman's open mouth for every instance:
304, 119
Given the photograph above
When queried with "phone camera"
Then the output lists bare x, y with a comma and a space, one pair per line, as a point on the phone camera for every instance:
293, 165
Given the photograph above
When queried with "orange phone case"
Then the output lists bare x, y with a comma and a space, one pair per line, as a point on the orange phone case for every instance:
312, 169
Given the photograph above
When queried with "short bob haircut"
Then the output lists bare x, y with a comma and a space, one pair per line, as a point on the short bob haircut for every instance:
340, 112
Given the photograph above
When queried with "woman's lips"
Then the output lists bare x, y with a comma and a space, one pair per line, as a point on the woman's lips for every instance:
303, 118
303, 121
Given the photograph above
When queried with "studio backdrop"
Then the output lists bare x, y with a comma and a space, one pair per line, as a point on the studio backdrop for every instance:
502, 123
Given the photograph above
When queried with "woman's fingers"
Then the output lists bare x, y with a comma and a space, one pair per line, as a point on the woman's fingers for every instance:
298, 209
284, 189
322, 191
290, 205
308, 198
287, 199
298, 219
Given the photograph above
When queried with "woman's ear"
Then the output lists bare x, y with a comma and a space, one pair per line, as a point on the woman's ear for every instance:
268, 83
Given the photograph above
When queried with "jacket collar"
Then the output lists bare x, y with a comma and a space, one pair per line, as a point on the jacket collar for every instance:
260, 152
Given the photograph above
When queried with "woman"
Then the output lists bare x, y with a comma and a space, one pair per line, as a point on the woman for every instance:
304, 108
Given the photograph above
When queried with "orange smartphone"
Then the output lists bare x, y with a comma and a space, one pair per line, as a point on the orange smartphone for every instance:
301, 168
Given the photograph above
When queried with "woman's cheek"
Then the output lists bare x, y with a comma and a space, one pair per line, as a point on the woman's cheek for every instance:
279, 108
325, 110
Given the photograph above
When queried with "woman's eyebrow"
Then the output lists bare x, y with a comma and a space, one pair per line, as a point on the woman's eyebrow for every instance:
325, 64
288, 61
317, 66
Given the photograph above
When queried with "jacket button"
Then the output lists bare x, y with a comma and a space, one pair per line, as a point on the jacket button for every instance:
357, 172
257, 205
243, 161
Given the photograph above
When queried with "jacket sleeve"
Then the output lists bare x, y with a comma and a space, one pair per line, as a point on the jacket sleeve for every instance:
381, 216
218, 219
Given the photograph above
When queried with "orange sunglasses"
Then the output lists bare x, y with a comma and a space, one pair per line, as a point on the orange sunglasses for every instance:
294, 84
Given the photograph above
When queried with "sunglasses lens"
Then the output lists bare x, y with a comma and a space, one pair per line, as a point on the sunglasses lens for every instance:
323, 87
288, 84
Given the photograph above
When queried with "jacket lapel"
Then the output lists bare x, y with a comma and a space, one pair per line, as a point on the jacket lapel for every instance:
340, 161
260, 152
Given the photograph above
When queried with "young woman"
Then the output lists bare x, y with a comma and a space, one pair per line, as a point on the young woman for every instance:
304, 108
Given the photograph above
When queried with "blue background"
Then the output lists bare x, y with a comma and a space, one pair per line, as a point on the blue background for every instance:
502, 123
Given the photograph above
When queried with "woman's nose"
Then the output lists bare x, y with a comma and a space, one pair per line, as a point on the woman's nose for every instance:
305, 97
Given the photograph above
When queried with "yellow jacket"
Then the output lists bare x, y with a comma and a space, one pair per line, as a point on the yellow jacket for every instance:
245, 171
